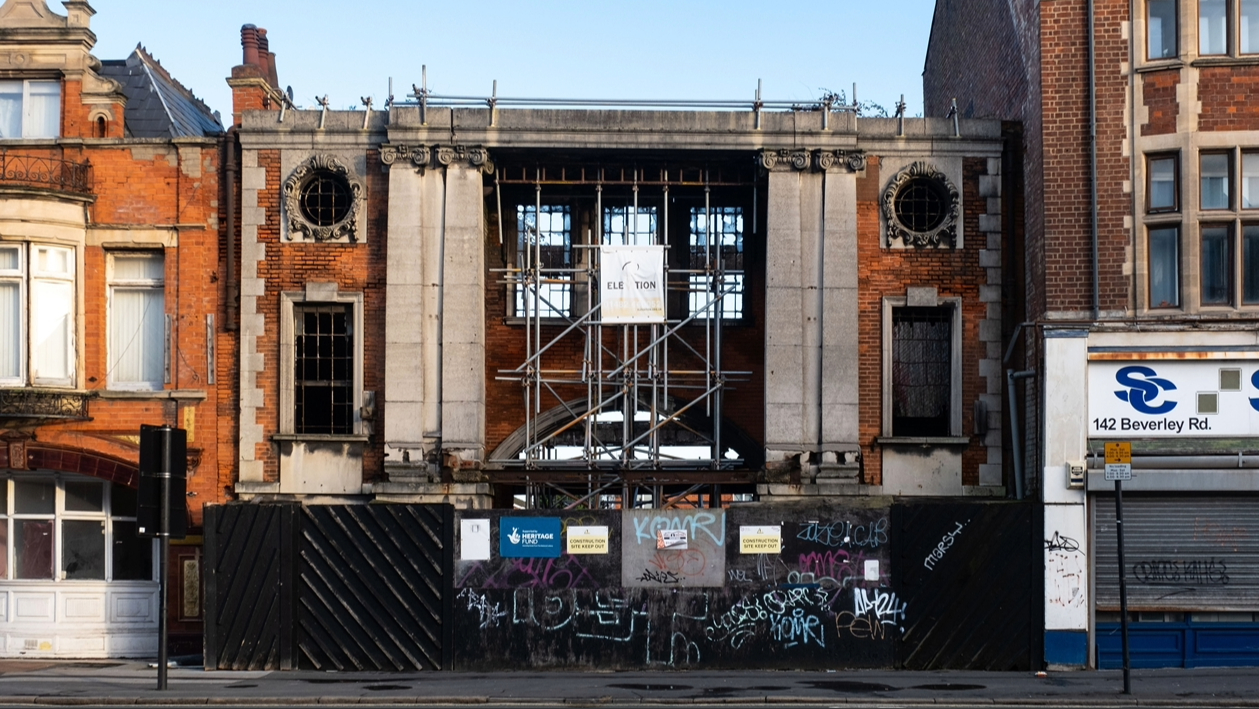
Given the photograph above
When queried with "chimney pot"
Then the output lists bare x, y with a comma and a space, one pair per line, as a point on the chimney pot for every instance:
249, 42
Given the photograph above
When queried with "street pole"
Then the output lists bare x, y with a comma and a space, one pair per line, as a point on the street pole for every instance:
164, 562
1123, 590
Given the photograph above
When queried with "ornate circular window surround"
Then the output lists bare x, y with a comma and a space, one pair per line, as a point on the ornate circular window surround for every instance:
921, 207
317, 178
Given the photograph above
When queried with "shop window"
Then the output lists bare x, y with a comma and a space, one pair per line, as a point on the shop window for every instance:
70, 528
545, 234
1164, 248
1215, 173
37, 300
922, 380
1161, 29
716, 236
1164, 184
137, 321
1216, 265
30, 109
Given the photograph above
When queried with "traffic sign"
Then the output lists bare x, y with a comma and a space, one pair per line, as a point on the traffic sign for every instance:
1118, 471
1118, 453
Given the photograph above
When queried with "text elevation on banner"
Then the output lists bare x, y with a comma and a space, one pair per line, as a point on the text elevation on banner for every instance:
632, 284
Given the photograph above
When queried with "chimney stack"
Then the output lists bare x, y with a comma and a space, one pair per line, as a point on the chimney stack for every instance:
249, 42
267, 59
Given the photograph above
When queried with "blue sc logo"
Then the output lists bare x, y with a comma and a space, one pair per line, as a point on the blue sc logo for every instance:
1143, 387
1254, 380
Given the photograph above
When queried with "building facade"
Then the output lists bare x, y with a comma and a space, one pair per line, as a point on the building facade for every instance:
1141, 270
109, 201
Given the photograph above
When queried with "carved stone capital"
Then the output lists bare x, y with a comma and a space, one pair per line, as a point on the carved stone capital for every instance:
422, 156
787, 159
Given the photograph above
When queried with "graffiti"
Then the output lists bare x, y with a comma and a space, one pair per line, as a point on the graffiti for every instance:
683, 562
873, 617
660, 576
1065, 573
769, 566
1216, 533
695, 523
788, 615
565, 572
488, 613
1060, 543
1177, 572
845, 533
946, 543
738, 576
834, 568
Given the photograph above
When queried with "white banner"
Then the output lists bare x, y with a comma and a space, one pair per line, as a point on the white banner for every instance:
631, 284
1169, 398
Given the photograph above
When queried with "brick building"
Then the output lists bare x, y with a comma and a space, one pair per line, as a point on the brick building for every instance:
109, 310
1142, 265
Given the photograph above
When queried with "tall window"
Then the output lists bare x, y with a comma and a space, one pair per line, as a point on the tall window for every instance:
1250, 264
30, 109
70, 528
37, 296
623, 226
137, 321
1161, 29
545, 236
922, 371
324, 368
716, 238
1164, 246
1163, 194
1212, 27
1216, 264
1215, 175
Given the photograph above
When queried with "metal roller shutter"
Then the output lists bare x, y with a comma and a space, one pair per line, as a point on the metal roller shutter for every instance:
1182, 553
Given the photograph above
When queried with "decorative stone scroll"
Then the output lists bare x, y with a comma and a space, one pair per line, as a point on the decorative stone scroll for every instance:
330, 170
819, 160
422, 156
920, 207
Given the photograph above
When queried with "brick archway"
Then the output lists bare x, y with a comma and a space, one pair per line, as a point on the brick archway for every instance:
29, 455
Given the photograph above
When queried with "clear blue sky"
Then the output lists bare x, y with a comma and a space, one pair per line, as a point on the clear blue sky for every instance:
645, 49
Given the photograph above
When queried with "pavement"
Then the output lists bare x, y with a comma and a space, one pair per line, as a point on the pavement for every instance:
115, 682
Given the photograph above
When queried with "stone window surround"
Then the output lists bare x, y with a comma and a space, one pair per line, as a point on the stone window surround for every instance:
1189, 219
297, 229
1186, 40
951, 170
924, 297
317, 293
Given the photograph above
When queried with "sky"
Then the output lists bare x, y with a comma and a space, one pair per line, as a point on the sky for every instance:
644, 49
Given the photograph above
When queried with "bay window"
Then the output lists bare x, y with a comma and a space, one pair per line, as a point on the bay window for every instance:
37, 321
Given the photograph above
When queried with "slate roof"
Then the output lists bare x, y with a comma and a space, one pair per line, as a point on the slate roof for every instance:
158, 106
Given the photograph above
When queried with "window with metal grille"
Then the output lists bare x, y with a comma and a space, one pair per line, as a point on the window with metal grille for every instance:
922, 370
922, 204
545, 235
323, 375
717, 239
325, 198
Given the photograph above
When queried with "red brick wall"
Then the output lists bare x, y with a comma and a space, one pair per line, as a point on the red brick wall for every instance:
1159, 97
955, 273
1230, 98
353, 267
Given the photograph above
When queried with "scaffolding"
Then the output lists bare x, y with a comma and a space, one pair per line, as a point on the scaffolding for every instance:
634, 418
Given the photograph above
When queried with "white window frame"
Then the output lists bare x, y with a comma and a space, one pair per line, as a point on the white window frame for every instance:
27, 275
890, 304
17, 276
316, 294
27, 106
146, 284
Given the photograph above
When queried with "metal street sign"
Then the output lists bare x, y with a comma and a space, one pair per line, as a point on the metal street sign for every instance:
1118, 471
1118, 453
1119, 461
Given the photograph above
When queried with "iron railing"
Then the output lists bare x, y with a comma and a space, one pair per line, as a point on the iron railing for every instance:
45, 171
24, 406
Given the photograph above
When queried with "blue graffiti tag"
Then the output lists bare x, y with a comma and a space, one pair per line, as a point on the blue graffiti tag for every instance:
1254, 380
1141, 393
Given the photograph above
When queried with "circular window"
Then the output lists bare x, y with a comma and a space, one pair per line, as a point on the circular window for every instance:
920, 208
325, 199
921, 204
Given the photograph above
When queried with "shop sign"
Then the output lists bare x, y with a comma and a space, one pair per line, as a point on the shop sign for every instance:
1169, 399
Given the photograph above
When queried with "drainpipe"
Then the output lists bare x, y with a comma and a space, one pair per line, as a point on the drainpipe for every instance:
1011, 377
230, 142
1097, 299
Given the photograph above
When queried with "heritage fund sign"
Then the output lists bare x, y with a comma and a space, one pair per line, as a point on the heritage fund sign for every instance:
632, 284
1168, 399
